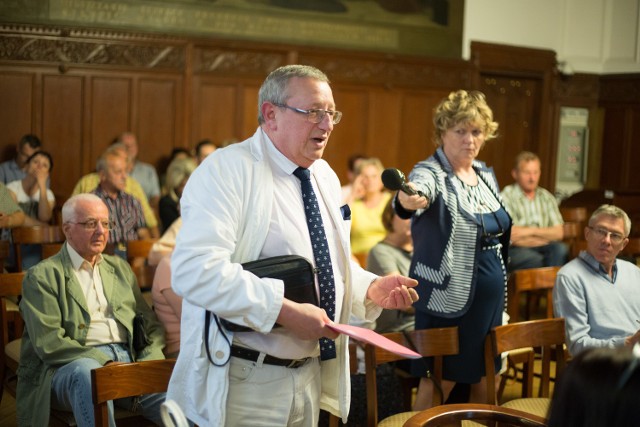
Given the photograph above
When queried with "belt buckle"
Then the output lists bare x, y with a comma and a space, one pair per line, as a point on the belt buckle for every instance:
296, 363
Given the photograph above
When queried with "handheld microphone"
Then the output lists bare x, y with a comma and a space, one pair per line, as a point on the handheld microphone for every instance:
394, 180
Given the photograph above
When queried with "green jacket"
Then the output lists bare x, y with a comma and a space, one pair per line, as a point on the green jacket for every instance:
57, 321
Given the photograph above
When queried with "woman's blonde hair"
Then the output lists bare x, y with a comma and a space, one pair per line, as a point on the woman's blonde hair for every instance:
463, 107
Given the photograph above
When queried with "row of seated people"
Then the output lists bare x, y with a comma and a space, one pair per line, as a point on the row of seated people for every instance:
130, 188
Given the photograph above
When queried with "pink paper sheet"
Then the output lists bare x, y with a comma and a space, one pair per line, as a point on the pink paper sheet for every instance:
372, 337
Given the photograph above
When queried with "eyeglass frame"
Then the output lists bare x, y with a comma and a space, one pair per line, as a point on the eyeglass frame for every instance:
603, 233
86, 224
335, 115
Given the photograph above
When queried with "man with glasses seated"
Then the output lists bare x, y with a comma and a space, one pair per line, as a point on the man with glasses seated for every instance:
597, 294
79, 307
536, 236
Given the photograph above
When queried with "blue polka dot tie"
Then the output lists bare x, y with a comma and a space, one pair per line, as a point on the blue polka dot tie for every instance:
321, 256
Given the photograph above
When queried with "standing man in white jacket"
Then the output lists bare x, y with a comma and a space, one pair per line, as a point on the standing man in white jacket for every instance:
244, 203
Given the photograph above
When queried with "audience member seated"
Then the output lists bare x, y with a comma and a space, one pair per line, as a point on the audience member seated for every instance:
600, 387
393, 256
124, 210
176, 153
177, 175
536, 235
597, 294
31, 192
203, 149
167, 306
144, 173
11, 216
166, 243
348, 196
79, 308
366, 213
89, 183
13, 170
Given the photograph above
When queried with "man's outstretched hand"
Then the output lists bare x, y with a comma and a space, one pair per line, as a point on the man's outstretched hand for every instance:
393, 292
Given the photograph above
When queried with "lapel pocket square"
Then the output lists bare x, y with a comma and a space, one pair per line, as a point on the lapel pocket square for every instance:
346, 212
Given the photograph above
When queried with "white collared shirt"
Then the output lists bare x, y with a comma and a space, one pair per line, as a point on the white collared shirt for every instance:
288, 235
103, 328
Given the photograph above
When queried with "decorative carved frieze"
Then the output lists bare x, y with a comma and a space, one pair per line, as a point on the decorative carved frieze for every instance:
59, 46
620, 89
237, 62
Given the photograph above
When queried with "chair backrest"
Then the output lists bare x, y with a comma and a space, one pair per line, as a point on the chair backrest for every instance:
546, 334
11, 327
434, 343
36, 235
574, 214
50, 249
526, 280
632, 250
5, 252
572, 232
137, 253
445, 415
116, 381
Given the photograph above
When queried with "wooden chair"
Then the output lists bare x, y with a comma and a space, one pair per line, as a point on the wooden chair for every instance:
545, 334
529, 280
50, 249
11, 327
572, 233
434, 343
575, 214
137, 253
116, 381
446, 415
36, 235
632, 250
5, 252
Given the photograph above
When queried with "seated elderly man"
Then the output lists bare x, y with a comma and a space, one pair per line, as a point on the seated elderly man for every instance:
597, 294
79, 308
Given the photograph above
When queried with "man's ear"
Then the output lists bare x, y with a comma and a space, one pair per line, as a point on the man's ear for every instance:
514, 174
269, 114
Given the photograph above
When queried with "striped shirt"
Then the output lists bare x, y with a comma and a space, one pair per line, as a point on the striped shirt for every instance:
540, 212
126, 213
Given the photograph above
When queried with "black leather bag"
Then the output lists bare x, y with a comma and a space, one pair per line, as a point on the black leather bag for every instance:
295, 271
140, 338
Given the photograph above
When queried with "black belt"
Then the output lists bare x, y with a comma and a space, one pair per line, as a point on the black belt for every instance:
253, 355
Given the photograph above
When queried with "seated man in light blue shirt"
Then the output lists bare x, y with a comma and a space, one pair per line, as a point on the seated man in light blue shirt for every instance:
597, 294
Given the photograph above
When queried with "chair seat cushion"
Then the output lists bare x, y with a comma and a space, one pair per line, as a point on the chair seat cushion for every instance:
532, 405
12, 350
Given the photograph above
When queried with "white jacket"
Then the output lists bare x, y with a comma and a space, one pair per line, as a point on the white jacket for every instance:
226, 209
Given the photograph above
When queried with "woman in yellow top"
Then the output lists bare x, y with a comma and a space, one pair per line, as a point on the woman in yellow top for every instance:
366, 211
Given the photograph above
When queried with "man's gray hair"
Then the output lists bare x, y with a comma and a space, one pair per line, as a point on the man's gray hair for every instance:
614, 211
274, 88
69, 208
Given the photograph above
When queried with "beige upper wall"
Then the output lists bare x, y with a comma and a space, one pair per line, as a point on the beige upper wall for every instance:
591, 36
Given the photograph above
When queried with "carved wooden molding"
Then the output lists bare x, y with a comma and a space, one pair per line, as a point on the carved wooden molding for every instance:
65, 47
623, 89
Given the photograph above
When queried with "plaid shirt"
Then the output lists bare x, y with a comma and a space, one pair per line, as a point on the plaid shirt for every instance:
126, 213
542, 211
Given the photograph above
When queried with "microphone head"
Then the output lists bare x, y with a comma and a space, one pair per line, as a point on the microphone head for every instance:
393, 179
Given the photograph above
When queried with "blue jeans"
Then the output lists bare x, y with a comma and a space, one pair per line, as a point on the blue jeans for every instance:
71, 389
553, 254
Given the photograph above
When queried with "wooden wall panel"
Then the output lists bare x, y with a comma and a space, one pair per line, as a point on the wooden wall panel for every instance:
248, 111
214, 112
16, 110
62, 128
349, 136
515, 104
416, 129
111, 98
157, 124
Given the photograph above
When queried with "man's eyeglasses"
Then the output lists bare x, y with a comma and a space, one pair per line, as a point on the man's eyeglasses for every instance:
315, 115
601, 233
92, 224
